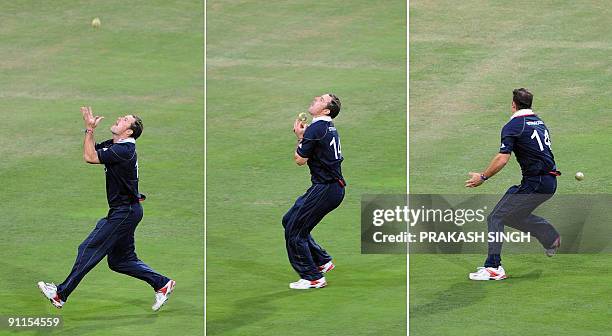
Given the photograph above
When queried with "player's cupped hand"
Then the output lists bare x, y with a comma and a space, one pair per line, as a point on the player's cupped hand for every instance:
474, 180
299, 127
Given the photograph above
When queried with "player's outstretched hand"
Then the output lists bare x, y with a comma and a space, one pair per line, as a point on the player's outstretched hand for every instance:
88, 118
299, 127
474, 180
86, 115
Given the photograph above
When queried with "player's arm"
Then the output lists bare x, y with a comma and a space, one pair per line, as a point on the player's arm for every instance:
299, 160
299, 128
509, 135
498, 162
89, 145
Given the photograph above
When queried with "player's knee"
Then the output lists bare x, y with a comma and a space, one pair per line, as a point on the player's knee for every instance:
285, 220
83, 246
113, 264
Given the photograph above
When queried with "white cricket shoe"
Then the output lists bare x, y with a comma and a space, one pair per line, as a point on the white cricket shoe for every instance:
161, 296
307, 284
489, 273
49, 290
327, 267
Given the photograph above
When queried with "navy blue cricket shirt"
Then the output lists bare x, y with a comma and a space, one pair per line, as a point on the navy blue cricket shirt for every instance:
321, 145
121, 168
527, 136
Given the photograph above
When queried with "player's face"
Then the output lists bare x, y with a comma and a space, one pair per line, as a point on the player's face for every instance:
319, 105
123, 124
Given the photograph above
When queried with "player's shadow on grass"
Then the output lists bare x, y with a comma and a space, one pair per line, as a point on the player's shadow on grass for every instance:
459, 295
533, 275
115, 317
116, 311
465, 294
247, 311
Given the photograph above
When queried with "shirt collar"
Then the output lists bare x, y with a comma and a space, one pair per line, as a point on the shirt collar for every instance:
522, 113
324, 118
130, 139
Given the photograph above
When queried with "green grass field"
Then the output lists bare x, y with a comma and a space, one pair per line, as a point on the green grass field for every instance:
465, 59
265, 62
147, 59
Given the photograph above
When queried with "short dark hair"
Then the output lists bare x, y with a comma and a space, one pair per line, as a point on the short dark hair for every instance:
522, 98
136, 127
334, 105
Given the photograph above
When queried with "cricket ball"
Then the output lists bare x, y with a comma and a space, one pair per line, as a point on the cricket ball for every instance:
579, 176
95, 23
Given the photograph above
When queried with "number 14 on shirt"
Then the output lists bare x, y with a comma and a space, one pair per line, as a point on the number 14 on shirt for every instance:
536, 135
337, 150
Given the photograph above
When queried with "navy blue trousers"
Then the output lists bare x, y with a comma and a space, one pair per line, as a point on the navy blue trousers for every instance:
113, 237
515, 210
305, 255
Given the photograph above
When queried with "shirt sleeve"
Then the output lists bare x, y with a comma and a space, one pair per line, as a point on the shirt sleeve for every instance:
509, 135
115, 153
307, 146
